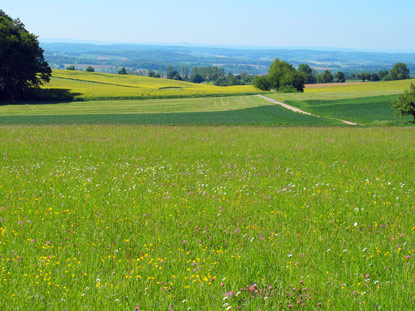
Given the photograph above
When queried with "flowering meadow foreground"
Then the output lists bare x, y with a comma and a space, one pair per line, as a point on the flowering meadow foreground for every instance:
206, 218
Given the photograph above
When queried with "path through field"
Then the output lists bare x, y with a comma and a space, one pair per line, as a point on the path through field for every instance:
295, 109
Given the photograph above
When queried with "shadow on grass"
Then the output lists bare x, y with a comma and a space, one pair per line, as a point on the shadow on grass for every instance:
271, 115
44, 96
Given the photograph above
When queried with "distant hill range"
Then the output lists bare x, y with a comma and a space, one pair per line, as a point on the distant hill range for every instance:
111, 57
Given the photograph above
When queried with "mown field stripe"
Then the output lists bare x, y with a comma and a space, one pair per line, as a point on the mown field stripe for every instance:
295, 109
271, 115
98, 82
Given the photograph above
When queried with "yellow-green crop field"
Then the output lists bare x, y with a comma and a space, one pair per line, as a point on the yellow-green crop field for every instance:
351, 90
176, 105
206, 218
389, 87
86, 86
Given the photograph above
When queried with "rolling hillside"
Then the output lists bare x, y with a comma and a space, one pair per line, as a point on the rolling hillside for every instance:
365, 103
80, 85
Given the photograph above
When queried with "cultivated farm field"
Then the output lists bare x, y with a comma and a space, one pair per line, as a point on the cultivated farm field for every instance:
108, 98
93, 86
206, 218
365, 103
235, 110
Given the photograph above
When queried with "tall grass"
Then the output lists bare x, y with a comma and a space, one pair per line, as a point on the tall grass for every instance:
202, 218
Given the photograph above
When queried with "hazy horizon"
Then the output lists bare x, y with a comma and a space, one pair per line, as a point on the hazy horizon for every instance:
230, 46
381, 25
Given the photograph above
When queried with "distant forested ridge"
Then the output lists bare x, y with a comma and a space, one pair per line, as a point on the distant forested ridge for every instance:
110, 58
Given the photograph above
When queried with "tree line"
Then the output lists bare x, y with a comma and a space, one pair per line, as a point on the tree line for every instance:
399, 71
283, 77
210, 74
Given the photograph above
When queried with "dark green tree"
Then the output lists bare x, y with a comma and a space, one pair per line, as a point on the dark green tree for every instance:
282, 77
308, 72
340, 77
221, 82
363, 76
90, 69
326, 77
122, 71
283, 74
170, 72
405, 104
373, 77
277, 70
178, 77
232, 79
383, 74
70, 68
399, 71
292, 81
22, 64
196, 78
262, 83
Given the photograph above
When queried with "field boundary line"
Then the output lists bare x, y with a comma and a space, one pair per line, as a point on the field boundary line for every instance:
295, 109
99, 82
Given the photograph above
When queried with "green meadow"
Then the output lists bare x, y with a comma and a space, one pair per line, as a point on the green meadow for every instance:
364, 110
212, 203
206, 218
235, 110
364, 103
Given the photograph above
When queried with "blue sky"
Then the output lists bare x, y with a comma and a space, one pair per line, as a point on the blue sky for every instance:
363, 25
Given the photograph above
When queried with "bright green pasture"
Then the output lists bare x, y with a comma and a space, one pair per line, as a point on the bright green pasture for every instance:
238, 110
180, 218
270, 115
367, 110
368, 103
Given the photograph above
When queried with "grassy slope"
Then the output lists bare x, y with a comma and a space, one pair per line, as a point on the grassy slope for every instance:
265, 115
235, 110
367, 103
108, 217
85, 85
384, 88
369, 89
136, 106
363, 103
367, 110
